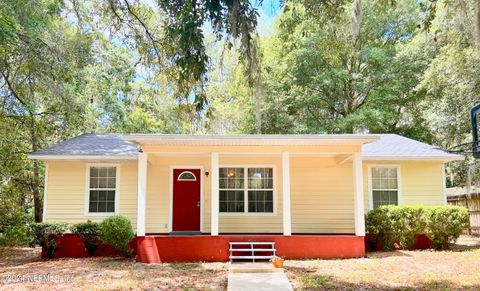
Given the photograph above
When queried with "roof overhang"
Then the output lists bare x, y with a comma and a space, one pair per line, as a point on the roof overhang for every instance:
445, 159
250, 140
81, 157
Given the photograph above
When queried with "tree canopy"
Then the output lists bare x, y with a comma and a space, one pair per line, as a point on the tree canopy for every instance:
69, 67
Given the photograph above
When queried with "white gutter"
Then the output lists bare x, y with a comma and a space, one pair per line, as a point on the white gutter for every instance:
415, 158
79, 157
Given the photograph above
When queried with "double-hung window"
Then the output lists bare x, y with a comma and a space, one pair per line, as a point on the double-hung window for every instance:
102, 191
246, 190
384, 185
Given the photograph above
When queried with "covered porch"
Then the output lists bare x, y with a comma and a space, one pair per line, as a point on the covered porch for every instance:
317, 189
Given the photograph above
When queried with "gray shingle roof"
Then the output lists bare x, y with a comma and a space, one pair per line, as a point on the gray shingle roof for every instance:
91, 144
388, 147
393, 146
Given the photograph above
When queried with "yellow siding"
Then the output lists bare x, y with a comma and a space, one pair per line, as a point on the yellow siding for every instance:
321, 196
321, 189
66, 192
421, 182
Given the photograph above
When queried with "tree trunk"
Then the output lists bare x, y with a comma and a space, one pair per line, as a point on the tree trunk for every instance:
37, 203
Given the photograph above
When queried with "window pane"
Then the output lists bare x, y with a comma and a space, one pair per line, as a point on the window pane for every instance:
102, 182
231, 178
384, 178
102, 195
187, 176
93, 172
110, 207
111, 196
223, 206
111, 183
103, 172
222, 183
112, 172
92, 207
93, 196
102, 206
260, 178
260, 201
231, 201
93, 182
384, 198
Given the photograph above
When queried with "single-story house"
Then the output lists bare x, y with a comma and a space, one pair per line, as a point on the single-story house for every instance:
189, 196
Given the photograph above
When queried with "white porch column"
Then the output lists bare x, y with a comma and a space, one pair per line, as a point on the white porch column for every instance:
142, 193
358, 194
287, 217
214, 171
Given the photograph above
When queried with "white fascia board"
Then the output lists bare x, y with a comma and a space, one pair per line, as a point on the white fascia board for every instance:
79, 157
415, 158
327, 139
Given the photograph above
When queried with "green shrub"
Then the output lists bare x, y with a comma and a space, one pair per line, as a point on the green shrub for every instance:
411, 222
446, 223
14, 226
46, 234
389, 225
15, 235
89, 233
379, 224
117, 231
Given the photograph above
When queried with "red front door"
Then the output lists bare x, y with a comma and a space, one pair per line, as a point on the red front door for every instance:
186, 200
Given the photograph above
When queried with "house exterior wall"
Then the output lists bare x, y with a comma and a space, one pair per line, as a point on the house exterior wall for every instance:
66, 190
321, 196
321, 192
421, 182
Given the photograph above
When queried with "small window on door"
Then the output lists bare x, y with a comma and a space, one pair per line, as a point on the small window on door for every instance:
187, 176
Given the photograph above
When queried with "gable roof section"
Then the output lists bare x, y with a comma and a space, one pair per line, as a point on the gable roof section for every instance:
117, 146
90, 145
396, 147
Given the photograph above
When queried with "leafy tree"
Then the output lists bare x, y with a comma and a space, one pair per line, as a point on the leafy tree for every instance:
342, 74
38, 83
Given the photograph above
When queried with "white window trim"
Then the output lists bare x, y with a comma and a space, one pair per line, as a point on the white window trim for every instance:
87, 190
170, 198
399, 182
187, 172
246, 213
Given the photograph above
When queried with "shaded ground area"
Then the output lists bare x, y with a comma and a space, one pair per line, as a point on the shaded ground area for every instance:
104, 273
456, 269
399, 270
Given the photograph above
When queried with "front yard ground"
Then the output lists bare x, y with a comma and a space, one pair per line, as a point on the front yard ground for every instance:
420, 270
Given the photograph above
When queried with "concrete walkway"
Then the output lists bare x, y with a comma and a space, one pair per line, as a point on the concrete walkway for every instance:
257, 276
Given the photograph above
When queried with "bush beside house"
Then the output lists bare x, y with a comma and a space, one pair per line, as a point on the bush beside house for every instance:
117, 231
398, 227
89, 233
46, 234
113, 236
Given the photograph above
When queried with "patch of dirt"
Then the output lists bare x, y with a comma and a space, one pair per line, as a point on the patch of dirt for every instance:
456, 269
22, 268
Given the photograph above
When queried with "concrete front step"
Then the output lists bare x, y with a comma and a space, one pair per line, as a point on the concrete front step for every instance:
238, 267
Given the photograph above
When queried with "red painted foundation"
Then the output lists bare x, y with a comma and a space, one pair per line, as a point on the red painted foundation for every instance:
71, 246
166, 248
422, 242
